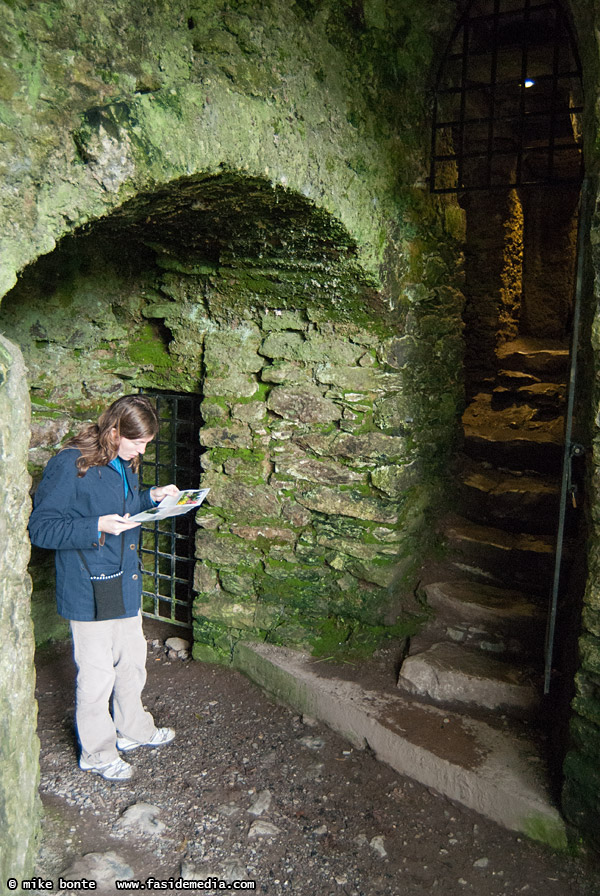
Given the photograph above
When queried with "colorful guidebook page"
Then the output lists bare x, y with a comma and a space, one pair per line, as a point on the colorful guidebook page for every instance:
173, 505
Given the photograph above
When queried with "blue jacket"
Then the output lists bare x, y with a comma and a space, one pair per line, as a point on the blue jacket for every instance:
65, 515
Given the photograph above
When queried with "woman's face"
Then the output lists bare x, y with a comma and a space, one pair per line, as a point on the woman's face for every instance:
130, 448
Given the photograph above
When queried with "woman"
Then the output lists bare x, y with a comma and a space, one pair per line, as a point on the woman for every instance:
81, 510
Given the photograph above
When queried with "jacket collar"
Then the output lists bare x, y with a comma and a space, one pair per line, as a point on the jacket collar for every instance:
132, 480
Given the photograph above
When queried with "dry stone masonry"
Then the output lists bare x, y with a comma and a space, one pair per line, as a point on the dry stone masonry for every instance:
230, 200
310, 482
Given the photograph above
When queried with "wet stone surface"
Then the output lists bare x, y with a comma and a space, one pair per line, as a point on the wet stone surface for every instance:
250, 791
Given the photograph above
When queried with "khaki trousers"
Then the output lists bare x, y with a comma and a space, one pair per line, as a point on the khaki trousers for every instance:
111, 662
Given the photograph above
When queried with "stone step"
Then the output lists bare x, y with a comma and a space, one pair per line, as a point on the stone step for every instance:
538, 357
452, 674
498, 557
488, 618
515, 379
480, 414
491, 769
539, 451
518, 503
547, 399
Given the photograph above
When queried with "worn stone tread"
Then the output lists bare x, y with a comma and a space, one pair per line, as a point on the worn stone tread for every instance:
499, 621
478, 602
523, 503
495, 554
450, 673
496, 772
490, 536
538, 357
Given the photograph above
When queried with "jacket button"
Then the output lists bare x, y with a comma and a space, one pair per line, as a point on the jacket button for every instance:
132, 547
134, 576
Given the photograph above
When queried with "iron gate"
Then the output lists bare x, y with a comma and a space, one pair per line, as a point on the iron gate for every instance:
167, 546
508, 100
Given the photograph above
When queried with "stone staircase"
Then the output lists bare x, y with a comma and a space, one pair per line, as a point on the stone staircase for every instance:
464, 717
483, 649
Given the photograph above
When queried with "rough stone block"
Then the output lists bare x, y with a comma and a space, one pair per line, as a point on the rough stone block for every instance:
353, 504
230, 436
292, 461
304, 404
372, 446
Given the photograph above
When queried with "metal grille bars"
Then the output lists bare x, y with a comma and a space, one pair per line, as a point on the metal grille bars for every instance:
508, 100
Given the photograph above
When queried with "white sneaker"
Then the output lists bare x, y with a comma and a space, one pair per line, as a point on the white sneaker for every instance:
160, 737
117, 770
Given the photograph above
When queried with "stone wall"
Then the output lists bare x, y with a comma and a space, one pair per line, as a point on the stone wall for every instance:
328, 419
581, 787
230, 198
316, 509
19, 746
551, 232
494, 277
100, 103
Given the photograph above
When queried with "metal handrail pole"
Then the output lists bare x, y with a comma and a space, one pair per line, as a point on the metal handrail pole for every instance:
567, 456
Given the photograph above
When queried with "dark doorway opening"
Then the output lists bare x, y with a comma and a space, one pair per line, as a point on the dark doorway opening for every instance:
168, 547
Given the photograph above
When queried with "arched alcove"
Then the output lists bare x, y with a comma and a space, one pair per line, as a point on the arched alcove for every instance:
250, 297
296, 132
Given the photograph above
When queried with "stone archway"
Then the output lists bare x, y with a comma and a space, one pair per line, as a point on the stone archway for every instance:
108, 106
252, 296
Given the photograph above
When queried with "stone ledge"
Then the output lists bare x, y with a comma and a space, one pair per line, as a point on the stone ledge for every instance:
487, 770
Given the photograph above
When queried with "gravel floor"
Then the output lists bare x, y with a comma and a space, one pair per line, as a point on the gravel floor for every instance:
250, 791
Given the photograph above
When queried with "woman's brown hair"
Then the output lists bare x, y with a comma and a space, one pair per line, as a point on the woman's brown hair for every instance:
131, 417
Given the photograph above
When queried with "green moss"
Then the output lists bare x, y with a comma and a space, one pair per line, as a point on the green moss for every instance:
205, 653
260, 395
214, 642
547, 831
148, 349
249, 456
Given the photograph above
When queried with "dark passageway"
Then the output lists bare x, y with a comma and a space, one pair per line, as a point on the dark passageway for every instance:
507, 141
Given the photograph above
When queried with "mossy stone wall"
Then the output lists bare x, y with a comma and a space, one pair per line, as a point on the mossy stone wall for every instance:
581, 787
273, 157
325, 431
100, 103
19, 746
225, 176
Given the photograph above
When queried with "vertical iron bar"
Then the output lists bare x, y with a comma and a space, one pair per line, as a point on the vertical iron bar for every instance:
553, 112
493, 86
552, 611
524, 64
432, 167
173, 477
463, 102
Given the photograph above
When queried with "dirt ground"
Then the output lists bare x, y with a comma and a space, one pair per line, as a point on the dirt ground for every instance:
251, 791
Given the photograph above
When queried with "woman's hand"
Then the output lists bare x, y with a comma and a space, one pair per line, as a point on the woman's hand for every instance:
114, 524
158, 492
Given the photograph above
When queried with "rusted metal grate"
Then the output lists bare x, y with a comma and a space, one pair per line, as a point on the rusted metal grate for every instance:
508, 100
167, 547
